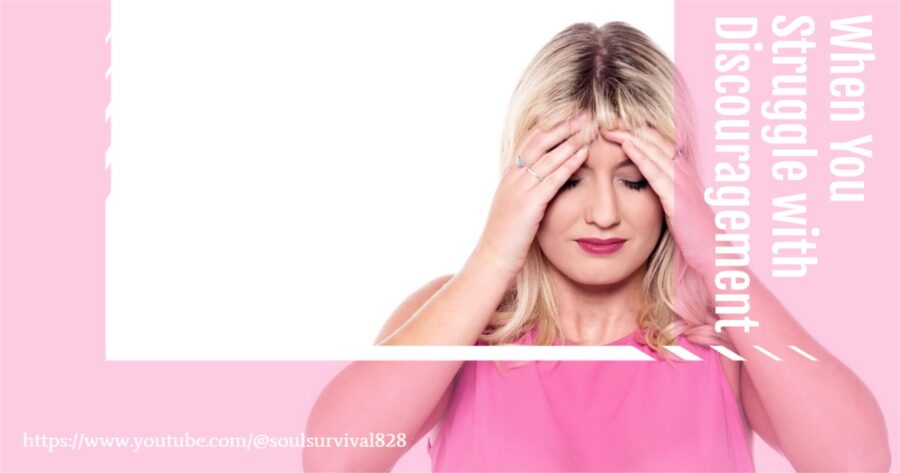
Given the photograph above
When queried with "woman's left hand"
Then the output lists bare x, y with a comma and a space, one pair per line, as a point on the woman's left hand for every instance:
669, 175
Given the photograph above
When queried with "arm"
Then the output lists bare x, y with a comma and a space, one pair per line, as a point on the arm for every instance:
403, 396
819, 414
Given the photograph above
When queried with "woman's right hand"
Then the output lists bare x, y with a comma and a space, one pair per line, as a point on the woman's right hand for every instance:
521, 199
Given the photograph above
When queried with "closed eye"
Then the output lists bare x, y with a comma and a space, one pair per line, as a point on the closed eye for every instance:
569, 184
635, 185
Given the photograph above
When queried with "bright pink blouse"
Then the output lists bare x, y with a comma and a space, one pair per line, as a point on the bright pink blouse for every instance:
594, 416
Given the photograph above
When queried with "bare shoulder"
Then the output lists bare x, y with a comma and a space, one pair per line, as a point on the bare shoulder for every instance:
411, 304
401, 314
732, 371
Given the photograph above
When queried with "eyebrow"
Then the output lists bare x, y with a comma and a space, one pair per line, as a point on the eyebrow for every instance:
622, 164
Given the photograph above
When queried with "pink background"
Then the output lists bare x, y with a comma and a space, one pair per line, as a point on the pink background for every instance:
848, 302
55, 380
54, 377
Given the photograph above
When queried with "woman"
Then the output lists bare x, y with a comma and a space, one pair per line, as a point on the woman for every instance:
581, 246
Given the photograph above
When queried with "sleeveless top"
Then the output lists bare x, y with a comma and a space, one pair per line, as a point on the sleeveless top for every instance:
594, 416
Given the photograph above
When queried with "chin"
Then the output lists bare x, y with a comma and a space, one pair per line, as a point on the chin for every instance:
598, 278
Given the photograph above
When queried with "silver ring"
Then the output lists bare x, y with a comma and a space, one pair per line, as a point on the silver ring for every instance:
531, 171
522, 164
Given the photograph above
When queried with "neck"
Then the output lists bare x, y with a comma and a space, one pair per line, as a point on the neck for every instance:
597, 314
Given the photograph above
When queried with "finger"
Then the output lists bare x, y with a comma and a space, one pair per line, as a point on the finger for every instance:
651, 134
661, 158
647, 149
649, 168
551, 184
646, 133
614, 135
653, 155
662, 184
559, 155
540, 141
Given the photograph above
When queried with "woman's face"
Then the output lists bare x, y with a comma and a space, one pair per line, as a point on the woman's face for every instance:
607, 198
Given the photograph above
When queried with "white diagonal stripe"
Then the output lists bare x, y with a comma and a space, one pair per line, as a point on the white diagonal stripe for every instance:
766, 352
506, 352
683, 353
803, 353
728, 353
461, 352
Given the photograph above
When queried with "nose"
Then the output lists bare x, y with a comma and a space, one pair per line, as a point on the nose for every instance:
602, 207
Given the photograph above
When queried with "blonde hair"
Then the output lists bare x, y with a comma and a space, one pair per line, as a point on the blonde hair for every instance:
623, 79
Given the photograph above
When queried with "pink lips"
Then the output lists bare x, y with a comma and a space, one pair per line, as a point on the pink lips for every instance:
596, 246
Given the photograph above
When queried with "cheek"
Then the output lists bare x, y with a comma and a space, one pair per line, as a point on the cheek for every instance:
556, 222
647, 212
555, 214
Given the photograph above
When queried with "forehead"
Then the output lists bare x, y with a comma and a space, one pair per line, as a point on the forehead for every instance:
605, 154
